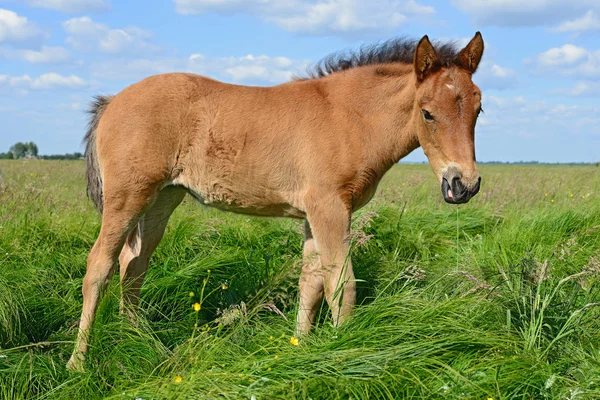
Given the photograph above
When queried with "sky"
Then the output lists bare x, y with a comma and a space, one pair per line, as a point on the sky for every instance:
540, 73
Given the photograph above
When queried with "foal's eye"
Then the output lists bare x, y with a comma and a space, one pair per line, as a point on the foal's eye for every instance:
480, 111
426, 115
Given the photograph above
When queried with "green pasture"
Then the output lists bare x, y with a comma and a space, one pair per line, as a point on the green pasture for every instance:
498, 298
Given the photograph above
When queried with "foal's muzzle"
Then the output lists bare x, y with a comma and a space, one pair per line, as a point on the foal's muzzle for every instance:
456, 192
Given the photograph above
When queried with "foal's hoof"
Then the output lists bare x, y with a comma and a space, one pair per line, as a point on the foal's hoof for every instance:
76, 363
302, 329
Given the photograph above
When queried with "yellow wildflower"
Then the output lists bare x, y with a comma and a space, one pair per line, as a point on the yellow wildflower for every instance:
208, 271
191, 294
276, 357
270, 337
546, 194
224, 287
269, 369
294, 341
552, 200
196, 307
178, 379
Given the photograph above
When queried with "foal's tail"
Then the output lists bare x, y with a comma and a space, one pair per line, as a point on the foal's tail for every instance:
94, 179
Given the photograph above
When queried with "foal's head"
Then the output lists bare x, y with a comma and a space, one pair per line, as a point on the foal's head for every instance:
447, 104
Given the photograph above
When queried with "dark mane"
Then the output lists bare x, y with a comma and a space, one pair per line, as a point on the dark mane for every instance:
397, 50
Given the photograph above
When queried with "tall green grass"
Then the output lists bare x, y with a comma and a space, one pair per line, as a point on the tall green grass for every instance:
499, 298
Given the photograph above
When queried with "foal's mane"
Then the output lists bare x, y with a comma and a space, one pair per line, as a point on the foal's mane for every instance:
396, 50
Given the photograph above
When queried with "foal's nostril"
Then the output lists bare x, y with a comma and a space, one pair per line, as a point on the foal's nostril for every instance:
458, 187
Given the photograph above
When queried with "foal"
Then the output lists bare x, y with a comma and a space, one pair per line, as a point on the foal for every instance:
313, 149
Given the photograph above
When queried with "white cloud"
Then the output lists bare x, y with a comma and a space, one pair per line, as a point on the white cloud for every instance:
15, 28
524, 117
50, 80
72, 6
559, 56
569, 60
252, 69
339, 17
500, 72
72, 106
580, 89
524, 13
134, 70
493, 76
503, 102
87, 35
588, 22
53, 80
260, 68
46, 55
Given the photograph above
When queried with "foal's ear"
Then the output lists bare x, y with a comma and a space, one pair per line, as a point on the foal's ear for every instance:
425, 59
469, 57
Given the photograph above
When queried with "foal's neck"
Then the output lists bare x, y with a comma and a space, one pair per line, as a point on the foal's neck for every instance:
383, 96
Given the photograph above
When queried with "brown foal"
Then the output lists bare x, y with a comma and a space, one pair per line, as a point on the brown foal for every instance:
313, 148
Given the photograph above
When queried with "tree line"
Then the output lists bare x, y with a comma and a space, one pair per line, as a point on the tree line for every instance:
29, 150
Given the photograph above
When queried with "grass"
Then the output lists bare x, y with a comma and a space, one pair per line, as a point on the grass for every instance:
499, 298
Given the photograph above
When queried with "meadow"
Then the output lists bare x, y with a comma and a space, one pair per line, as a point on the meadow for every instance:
495, 299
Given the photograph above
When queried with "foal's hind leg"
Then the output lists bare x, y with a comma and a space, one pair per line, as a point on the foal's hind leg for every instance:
329, 220
122, 210
141, 243
311, 283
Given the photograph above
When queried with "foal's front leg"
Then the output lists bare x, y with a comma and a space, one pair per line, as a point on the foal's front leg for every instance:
329, 220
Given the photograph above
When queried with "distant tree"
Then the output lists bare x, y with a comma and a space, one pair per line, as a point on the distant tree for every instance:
6, 156
32, 149
18, 150
23, 150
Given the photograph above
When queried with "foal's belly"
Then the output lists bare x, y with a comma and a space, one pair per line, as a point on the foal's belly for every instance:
242, 199
263, 208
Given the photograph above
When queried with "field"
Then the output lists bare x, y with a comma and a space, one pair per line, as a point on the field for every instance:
498, 298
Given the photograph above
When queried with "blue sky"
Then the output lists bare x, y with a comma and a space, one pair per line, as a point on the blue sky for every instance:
540, 73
